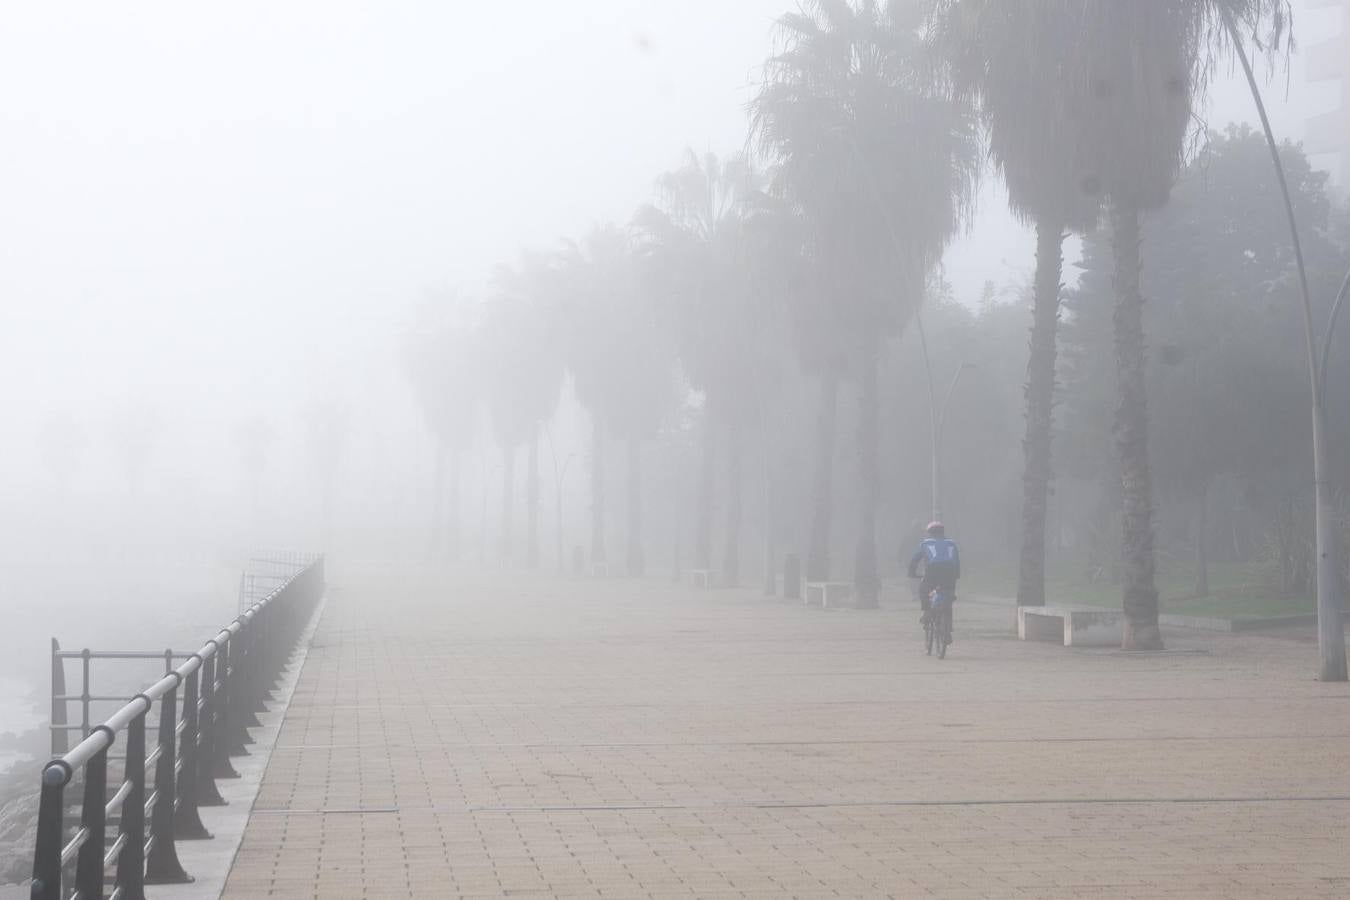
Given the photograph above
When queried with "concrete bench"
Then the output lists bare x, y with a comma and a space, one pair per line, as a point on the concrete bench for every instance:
702, 579
828, 593
1074, 626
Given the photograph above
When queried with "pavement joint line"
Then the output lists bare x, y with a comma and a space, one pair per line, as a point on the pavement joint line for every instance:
859, 804
857, 743
813, 703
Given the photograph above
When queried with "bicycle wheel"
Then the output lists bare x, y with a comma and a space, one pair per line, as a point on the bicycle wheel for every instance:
929, 634
944, 631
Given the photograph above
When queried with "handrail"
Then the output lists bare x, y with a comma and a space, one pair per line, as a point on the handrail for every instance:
206, 706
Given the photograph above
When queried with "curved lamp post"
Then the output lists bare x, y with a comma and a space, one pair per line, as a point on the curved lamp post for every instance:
1330, 630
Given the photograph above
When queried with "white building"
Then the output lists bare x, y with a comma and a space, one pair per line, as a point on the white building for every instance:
1328, 60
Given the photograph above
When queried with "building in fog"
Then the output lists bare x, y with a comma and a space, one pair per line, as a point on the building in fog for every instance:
1329, 61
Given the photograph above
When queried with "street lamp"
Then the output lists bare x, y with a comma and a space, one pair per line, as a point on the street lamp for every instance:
1330, 630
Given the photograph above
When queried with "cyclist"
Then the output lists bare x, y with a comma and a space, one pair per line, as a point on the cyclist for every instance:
941, 566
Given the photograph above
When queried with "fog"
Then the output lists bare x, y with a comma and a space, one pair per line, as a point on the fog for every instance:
225, 230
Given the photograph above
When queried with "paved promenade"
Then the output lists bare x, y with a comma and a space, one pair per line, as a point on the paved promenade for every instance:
489, 736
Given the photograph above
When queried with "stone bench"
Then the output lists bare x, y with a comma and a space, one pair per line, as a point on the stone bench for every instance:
702, 579
828, 593
1073, 626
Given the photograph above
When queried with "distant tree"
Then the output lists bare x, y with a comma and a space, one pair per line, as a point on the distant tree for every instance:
444, 363
525, 372
697, 240
881, 164
622, 365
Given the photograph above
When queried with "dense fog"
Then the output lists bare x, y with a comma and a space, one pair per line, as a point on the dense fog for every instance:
425, 284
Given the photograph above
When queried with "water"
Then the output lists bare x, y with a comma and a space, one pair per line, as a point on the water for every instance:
105, 606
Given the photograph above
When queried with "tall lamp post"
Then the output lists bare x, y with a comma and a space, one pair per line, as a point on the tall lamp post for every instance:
1330, 629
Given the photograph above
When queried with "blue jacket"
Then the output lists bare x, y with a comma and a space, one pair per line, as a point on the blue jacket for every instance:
937, 555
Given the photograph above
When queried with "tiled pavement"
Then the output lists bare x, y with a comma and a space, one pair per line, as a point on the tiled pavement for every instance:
488, 736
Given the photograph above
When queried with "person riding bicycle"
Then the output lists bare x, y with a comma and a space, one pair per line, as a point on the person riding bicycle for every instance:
941, 566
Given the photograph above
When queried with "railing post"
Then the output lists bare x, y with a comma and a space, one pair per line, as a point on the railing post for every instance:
84, 694
162, 865
247, 702
207, 793
93, 820
258, 627
241, 664
50, 831
131, 861
187, 821
60, 736
221, 736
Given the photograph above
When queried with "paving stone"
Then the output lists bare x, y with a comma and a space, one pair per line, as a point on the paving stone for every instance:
491, 735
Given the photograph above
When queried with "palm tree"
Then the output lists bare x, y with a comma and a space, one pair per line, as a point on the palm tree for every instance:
526, 372
443, 363
1135, 72
622, 367
1010, 57
696, 246
881, 164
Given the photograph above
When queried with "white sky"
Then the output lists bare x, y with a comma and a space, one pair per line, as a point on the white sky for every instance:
224, 206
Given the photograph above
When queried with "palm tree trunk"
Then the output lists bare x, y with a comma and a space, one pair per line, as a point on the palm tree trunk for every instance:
818, 551
1040, 399
867, 583
703, 535
731, 560
1141, 592
597, 491
532, 498
637, 564
508, 502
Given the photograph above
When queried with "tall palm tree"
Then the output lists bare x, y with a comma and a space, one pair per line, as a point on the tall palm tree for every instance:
443, 358
525, 368
881, 162
622, 365
696, 243
1136, 71
1011, 57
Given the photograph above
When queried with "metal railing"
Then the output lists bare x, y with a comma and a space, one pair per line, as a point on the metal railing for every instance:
61, 727
204, 709
265, 572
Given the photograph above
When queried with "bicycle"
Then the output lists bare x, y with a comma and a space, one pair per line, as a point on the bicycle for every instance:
937, 625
